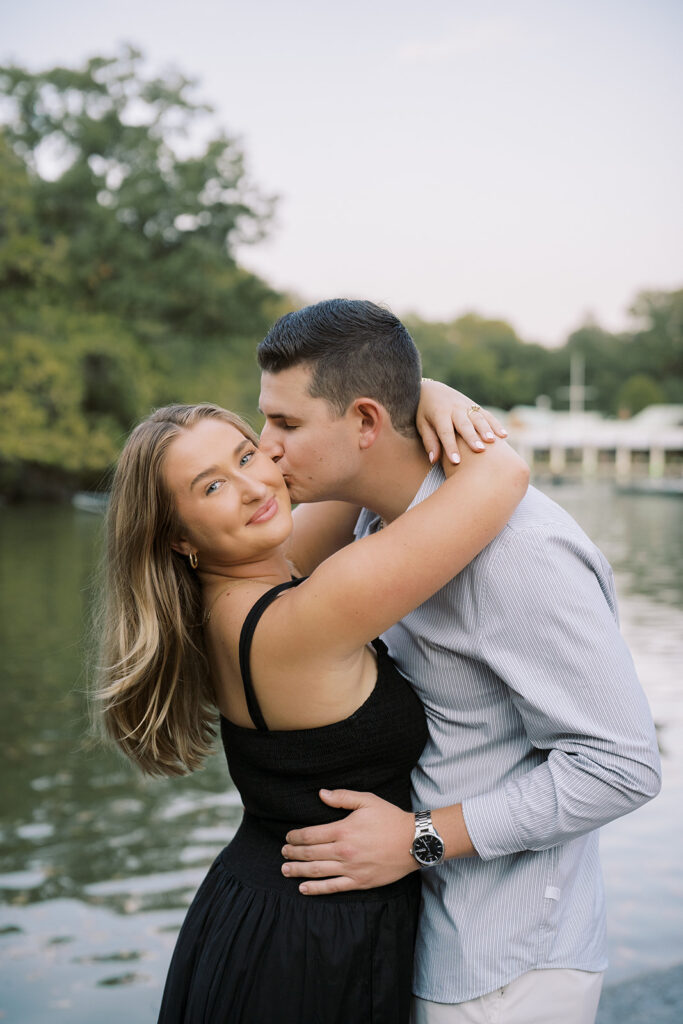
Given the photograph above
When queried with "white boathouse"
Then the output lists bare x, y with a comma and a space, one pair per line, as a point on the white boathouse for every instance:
649, 445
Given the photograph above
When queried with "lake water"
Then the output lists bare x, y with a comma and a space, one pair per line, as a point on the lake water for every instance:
98, 865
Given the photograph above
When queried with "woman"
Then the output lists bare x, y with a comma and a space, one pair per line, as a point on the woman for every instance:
204, 613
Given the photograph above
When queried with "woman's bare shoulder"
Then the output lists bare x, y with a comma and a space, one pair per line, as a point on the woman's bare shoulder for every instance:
228, 608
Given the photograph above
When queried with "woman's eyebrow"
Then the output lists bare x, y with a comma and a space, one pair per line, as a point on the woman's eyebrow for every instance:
204, 472
214, 469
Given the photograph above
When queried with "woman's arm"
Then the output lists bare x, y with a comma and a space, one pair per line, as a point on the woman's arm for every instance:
321, 528
363, 589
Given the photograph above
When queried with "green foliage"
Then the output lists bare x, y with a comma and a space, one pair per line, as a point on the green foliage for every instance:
650, 357
637, 392
70, 386
120, 286
26, 259
658, 343
151, 231
628, 371
486, 358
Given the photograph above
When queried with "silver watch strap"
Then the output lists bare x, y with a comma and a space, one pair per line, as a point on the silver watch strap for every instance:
423, 823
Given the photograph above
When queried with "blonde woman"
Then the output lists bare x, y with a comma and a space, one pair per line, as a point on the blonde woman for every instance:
205, 614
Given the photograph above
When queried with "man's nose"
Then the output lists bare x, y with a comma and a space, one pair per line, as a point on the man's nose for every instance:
269, 444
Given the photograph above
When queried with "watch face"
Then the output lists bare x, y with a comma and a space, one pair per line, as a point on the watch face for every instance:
428, 849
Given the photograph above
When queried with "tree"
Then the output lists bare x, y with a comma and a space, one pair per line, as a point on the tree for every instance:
637, 392
26, 260
486, 358
151, 232
658, 342
121, 289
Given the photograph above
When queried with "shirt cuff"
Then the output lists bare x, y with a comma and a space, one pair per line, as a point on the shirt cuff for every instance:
490, 825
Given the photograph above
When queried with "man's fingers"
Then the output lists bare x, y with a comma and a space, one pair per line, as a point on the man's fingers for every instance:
316, 869
329, 885
314, 834
328, 851
350, 799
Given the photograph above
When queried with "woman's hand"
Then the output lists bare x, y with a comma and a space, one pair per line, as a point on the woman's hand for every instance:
443, 412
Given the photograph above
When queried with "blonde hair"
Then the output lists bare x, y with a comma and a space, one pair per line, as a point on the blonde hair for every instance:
154, 696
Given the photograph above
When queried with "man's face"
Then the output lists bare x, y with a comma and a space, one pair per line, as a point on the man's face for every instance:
316, 450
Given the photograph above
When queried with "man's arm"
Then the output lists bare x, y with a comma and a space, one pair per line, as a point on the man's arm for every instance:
319, 529
548, 629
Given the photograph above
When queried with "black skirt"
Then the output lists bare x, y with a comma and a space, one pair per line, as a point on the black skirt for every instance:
254, 950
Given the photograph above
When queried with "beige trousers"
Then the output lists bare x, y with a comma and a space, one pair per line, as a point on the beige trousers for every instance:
538, 997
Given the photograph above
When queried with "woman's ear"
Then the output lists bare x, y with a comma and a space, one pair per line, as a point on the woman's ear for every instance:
370, 415
182, 546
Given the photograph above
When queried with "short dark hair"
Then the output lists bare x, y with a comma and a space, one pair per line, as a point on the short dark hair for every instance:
354, 348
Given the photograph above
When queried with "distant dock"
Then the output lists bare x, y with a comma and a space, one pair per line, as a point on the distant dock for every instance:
648, 447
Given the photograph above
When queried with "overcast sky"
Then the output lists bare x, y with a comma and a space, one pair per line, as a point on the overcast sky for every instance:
523, 160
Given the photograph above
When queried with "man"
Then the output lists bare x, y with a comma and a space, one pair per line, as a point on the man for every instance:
539, 730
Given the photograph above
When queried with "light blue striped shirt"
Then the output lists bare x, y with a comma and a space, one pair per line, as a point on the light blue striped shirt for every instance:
539, 726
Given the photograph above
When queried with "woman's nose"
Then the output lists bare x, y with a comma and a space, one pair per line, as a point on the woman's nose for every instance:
252, 488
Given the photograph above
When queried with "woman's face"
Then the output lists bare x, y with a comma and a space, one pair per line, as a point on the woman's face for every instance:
230, 498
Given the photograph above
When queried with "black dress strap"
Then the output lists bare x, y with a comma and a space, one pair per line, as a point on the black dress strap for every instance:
246, 637
380, 646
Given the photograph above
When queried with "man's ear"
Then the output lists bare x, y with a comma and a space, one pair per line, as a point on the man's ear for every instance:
370, 415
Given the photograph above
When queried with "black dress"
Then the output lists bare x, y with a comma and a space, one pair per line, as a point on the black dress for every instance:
253, 949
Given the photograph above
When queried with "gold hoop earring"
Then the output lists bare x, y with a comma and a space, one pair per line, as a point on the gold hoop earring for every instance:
194, 559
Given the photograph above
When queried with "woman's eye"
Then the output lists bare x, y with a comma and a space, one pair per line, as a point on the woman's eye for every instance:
213, 486
246, 458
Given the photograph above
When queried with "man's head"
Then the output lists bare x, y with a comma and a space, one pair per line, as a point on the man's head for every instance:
318, 364
353, 348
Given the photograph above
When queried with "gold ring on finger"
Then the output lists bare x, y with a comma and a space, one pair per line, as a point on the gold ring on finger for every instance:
474, 408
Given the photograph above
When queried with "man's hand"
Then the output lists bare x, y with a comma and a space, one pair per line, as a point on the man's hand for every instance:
370, 847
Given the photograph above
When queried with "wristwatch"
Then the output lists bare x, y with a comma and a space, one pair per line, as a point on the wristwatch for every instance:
428, 848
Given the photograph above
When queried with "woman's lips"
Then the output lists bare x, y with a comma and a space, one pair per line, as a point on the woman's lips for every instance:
264, 513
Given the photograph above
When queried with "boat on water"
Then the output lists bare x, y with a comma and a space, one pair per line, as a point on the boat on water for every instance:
90, 501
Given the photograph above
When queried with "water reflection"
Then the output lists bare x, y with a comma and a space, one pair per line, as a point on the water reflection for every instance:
641, 535
80, 964
643, 539
98, 864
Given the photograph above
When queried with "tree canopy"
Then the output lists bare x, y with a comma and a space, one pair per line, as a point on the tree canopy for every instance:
625, 371
117, 262
121, 206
